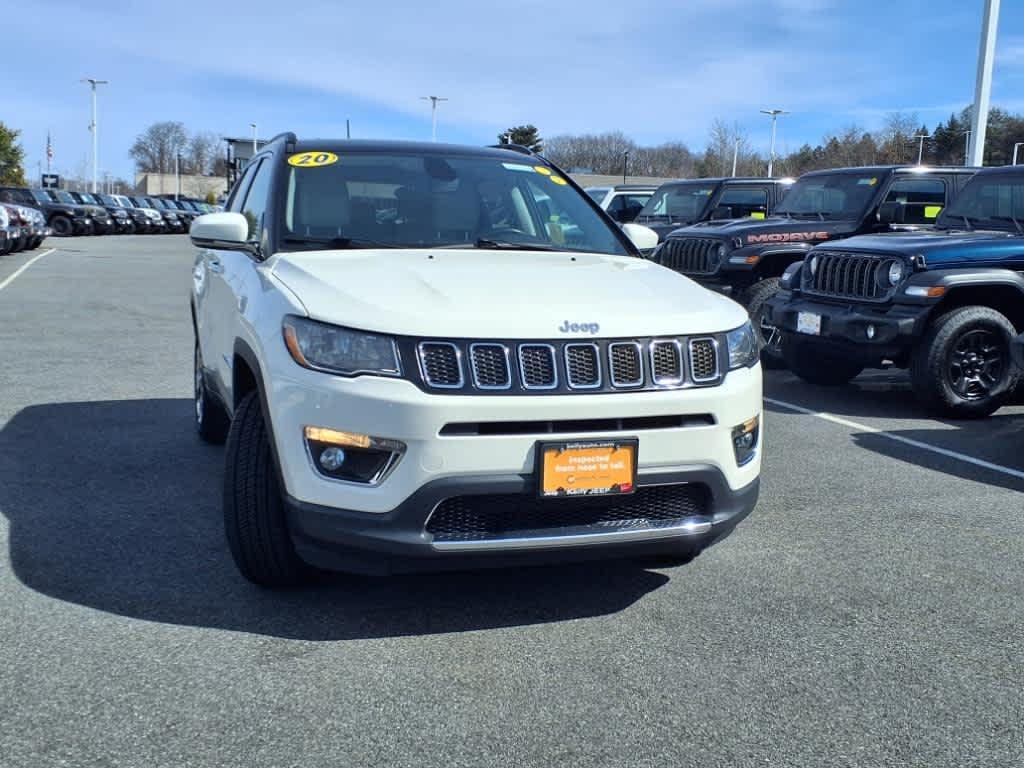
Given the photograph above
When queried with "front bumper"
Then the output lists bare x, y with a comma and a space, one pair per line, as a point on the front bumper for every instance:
333, 516
81, 226
896, 326
398, 541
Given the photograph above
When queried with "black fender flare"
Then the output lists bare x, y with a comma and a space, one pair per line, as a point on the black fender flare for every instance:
792, 254
969, 277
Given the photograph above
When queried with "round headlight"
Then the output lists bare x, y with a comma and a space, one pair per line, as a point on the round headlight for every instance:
813, 264
895, 273
722, 250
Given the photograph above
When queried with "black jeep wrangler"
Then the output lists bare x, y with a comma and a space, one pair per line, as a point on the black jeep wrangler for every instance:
681, 203
748, 257
944, 303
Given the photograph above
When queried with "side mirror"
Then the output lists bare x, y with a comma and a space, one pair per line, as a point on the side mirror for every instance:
721, 212
644, 238
892, 213
225, 231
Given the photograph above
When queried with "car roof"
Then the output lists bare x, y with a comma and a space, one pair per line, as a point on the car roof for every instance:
342, 146
1002, 170
921, 169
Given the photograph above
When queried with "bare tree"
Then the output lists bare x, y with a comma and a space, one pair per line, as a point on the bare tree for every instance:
155, 148
202, 153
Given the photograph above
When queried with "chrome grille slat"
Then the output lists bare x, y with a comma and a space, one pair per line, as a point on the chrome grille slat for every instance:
704, 360
666, 362
583, 366
441, 364
490, 366
625, 364
537, 366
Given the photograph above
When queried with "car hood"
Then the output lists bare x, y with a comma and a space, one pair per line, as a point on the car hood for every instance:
770, 231
96, 212
501, 294
941, 249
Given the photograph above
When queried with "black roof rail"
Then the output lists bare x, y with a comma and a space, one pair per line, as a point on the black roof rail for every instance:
514, 148
289, 139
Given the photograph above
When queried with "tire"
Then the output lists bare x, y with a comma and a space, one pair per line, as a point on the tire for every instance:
62, 226
212, 422
816, 365
754, 299
254, 518
962, 367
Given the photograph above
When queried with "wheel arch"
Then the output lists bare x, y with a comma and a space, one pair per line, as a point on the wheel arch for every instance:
998, 289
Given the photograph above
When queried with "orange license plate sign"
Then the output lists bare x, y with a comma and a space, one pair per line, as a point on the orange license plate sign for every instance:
587, 468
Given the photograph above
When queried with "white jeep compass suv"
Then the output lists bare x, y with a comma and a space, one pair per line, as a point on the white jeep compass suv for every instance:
429, 356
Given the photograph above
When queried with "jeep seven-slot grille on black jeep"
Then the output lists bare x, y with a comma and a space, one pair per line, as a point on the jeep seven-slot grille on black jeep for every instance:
503, 516
847, 275
689, 255
562, 367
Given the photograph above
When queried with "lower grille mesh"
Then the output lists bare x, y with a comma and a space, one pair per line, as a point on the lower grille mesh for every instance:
496, 516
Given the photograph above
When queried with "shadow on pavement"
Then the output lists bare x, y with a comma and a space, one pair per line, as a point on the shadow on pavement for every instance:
115, 505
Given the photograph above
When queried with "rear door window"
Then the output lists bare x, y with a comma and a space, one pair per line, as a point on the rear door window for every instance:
746, 201
923, 198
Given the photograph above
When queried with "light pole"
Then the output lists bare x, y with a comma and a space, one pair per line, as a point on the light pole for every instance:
94, 128
177, 174
983, 87
625, 165
920, 147
433, 113
774, 115
967, 147
1016, 146
736, 157
254, 150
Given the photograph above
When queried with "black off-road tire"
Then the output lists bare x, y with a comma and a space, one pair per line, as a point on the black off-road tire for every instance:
932, 362
816, 365
62, 226
212, 421
254, 515
754, 299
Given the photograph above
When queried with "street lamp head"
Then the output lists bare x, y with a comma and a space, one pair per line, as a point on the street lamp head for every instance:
774, 112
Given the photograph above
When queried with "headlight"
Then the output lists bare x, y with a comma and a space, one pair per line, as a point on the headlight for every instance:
743, 347
813, 264
332, 349
896, 273
722, 251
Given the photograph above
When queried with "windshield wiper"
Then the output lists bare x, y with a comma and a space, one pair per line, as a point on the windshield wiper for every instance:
484, 242
1017, 224
343, 242
795, 214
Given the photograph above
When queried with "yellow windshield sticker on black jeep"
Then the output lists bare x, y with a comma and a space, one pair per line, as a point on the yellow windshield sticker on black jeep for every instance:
932, 211
559, 180
757, 214
541, 169
312, 159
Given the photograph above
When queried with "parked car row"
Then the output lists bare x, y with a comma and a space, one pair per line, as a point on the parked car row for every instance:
22, 228
890, 266
65, 213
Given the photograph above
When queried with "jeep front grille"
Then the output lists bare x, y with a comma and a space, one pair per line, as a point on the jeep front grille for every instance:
704, 359
563, 367
441, 364
582, 366
627, 365
690, 255
848, 276
537, 365
495, 517
491, 369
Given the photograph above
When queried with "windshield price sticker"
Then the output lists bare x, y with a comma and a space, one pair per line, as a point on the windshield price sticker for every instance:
542, 170
315, 159
559, 180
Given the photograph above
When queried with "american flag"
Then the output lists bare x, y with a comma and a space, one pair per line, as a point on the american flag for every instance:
49, 147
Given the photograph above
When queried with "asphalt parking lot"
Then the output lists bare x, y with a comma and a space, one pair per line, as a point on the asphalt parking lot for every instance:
869, 613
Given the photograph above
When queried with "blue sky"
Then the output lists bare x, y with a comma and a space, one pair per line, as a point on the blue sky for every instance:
655, 70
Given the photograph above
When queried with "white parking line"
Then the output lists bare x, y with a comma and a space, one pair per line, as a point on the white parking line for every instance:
900, 439
25, 266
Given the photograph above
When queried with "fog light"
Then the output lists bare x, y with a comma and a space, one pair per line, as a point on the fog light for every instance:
352, 457
870, 331
332, 458
744, 440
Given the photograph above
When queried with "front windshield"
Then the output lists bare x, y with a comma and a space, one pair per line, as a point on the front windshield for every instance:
125, 201
108, 200
436, 200
41, 196
64, 197
86, 198
993, 202
830, 196
678, 203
